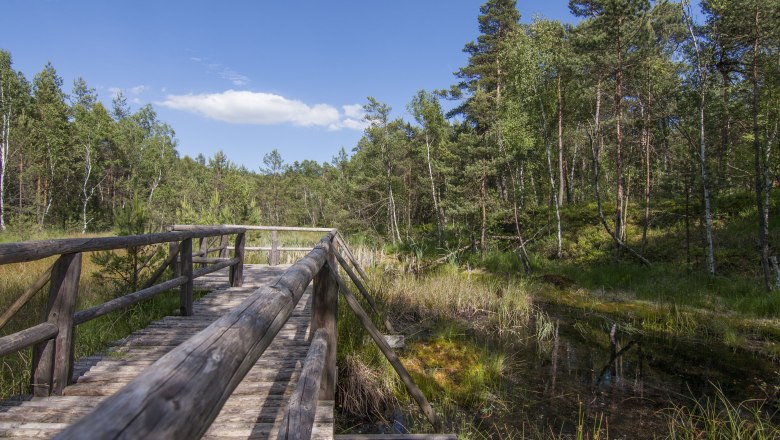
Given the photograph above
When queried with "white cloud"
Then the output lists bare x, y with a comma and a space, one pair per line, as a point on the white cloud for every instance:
233, 76
258, 108
354, 111
137, 90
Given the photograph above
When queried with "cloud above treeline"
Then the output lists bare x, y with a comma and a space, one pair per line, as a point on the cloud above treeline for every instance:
259, 108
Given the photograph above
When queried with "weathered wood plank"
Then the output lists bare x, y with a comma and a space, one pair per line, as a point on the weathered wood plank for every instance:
324, 314
53, 360
273, 254
36, 250
25, 338
182, 393
215, 267
236, 272
280, 249
396, 437
127, 300
185, 268
299, 417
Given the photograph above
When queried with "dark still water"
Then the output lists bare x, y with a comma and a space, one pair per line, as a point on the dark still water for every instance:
589, 373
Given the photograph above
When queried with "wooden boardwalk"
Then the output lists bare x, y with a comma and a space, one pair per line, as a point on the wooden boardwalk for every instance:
254, 410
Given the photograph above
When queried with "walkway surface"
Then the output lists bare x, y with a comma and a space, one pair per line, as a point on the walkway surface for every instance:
254, 410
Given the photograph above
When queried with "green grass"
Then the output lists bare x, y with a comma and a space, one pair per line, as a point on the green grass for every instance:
718, 418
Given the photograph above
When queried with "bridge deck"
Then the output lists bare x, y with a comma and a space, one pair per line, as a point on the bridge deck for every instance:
255, 408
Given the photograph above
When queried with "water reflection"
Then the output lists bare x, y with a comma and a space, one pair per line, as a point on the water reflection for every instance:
592, 371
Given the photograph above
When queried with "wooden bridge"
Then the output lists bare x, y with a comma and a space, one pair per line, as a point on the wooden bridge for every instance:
253, 358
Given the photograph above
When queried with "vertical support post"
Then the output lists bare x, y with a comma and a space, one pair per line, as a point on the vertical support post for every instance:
223, 246
203, 245
172, 249
185, 266
324, 314
237, 270
52, 364
273, 256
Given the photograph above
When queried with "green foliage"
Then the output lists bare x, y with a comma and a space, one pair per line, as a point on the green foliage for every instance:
127, 271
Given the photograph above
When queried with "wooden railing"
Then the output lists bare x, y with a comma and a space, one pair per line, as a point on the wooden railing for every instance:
181, 394
52, 341
275, 248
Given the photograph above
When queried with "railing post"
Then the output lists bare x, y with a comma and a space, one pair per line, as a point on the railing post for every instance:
237, 270
173, 247
324, 314
203, 245
185, 267
52, 364
273, 255
223, 245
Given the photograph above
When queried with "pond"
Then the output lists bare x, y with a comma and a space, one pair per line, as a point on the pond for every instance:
589, 372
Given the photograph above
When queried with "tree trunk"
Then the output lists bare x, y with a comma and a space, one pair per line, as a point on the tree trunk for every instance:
763, 224
483, 201
705, 187
439, 216
646, 143
561, 175
619, 152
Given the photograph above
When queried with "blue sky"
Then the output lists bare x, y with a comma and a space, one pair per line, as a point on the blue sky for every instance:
246, 77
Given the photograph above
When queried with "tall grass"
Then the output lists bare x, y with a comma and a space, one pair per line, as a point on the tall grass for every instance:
718, 418
492, 306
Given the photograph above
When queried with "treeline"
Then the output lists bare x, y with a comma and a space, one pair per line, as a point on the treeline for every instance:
633, 107
69, 162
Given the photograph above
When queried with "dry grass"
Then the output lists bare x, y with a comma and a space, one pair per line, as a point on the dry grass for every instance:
494, 307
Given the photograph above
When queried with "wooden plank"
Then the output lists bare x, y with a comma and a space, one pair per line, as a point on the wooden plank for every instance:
396, 437
253, 228
215, 267
36, 250
127, 300
299, 417
324, 314
173, 250
351, 256
273, 254
363, 291
280, 249
22, 300
380, 341
53, 360
30, 336
185, 267
236, 272
182, 393
209, 260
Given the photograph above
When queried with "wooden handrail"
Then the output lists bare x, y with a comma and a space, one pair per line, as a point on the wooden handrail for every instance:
183, 392
298, 420
65, 319
253, 228
36, 250
27, 337
126, 301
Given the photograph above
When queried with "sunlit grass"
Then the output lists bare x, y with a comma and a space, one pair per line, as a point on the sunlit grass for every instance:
718, 418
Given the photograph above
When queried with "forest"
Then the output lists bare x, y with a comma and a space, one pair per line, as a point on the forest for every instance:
575, 184
635, 107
